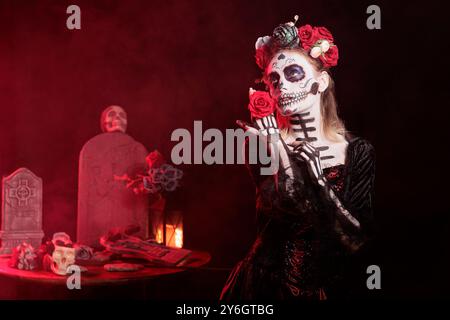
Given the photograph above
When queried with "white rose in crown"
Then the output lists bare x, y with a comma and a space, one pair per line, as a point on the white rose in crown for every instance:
325, 46
315, 52
319, 48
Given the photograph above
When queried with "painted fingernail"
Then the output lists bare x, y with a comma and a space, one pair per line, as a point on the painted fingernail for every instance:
242, 124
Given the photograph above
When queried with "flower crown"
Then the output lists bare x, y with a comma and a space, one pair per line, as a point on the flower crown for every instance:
316, 41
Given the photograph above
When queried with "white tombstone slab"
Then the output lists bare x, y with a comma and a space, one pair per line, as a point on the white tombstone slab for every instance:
103, 202
21, 210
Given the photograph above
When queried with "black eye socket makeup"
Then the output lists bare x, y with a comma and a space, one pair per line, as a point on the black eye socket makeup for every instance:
294, 73
274, 78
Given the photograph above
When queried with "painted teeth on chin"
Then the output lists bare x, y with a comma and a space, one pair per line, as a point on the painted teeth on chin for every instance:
284, 101
294, 95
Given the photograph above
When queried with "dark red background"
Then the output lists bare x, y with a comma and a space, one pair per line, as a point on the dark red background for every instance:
169, 63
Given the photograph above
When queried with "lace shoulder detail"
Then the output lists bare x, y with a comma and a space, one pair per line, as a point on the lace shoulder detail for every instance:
336, 178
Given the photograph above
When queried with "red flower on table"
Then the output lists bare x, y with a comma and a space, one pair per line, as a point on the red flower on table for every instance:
155, 159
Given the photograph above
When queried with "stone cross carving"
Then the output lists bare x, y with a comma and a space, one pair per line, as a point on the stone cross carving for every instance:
21, 210
103, 202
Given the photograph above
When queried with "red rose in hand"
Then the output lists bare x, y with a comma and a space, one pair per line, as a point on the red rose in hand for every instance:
261, 104
330, 58
323, 33
307, 38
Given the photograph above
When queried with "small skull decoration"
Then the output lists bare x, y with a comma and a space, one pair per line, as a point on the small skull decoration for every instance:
63, 257
114, 119
64, 254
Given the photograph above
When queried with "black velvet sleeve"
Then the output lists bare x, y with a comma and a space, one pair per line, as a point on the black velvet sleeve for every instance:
358, 197
359, 191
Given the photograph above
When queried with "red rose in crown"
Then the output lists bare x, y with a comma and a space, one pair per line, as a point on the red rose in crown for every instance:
318, 42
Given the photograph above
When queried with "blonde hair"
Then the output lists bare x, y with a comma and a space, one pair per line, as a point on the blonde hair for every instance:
333, 127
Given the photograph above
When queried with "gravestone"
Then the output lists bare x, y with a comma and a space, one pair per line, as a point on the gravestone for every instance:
21, 210
103, 202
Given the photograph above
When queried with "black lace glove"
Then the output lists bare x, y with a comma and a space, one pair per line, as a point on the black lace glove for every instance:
346, 226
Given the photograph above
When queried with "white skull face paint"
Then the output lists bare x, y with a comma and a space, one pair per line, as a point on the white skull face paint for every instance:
292, 82
114, 119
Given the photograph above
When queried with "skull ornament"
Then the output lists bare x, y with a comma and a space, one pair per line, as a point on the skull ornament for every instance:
63, 257
114, 119
292, 82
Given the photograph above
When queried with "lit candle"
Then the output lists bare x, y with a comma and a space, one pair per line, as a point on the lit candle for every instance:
174, 236
170, 235
157, 220
174, 229
179, 237
160, 234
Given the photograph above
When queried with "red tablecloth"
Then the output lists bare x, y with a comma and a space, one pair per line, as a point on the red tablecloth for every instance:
96, 275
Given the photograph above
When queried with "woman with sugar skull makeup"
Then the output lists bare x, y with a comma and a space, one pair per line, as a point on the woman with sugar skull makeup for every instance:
316, 211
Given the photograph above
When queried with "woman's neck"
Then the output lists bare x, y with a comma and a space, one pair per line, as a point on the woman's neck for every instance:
308, 126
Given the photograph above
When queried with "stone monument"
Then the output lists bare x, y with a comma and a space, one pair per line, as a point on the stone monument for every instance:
103, 202
21, 210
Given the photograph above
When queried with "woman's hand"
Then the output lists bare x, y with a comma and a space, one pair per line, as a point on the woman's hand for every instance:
262, 108
311, 156
267, 125
266, 128
267, 132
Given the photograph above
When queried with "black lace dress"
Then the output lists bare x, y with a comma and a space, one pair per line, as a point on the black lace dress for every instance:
298, 247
